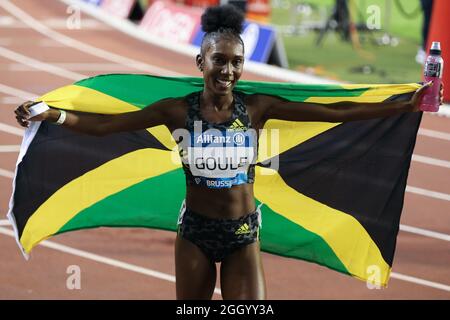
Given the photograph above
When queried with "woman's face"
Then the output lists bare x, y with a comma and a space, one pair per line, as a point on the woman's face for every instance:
222, 65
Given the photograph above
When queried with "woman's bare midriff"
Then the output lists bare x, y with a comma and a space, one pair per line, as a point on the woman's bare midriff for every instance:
231, 203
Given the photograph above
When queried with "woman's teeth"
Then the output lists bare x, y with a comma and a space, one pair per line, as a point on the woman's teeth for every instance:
224, 83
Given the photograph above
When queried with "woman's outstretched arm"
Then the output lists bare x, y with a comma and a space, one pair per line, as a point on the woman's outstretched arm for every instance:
99, 124
276, 108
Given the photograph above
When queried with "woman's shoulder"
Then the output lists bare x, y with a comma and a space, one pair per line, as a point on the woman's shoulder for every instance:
258, 100
174, 110
170, 104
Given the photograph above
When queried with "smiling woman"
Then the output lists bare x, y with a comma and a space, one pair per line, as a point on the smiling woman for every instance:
219, 220
222, 50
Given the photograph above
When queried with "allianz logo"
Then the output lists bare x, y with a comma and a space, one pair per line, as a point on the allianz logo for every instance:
237, 138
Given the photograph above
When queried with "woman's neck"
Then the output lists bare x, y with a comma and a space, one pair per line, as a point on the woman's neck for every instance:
218, 103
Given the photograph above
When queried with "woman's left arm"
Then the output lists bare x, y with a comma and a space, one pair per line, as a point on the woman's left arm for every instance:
340, 111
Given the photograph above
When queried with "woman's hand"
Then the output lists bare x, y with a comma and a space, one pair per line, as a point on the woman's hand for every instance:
23, 114
417, 97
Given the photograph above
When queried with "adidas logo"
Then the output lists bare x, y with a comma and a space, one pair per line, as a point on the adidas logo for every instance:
237, 125
243, 229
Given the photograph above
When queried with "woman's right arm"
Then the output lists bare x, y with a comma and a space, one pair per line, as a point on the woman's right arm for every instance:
99, 124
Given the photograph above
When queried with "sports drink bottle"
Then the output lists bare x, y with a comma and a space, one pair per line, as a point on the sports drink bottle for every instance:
434, 66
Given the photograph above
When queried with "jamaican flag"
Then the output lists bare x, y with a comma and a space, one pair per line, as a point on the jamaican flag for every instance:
335, 199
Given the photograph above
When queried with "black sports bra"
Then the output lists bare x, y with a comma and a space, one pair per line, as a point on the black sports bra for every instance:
218, 155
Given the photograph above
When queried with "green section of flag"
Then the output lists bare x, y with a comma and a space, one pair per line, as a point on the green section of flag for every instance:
283, 237
155, 203
152, 203
168, 87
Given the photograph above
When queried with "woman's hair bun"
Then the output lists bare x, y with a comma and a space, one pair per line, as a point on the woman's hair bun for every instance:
223, 17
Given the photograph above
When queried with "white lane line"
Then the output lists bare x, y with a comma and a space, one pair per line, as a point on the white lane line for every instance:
434, 134
404, 228
10, 129
57, 23
9, 54
431, 161
49, 43
4, 222
428, 193
81, 46
425, 233
17, 92
11, 100
444, 111
6, 173
104, 260
170, 278
85, 23
94, 66
419, 281
9, 148
6, 20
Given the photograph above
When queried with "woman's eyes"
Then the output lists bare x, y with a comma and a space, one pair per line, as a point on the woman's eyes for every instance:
221, 61
218, 60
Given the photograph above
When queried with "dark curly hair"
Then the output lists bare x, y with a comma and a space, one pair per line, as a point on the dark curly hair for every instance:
221, 22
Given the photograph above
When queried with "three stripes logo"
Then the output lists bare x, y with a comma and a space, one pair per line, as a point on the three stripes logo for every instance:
237, 125
244, 229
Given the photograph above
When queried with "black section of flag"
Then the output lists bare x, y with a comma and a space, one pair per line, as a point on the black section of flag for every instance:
359, 168
49, 162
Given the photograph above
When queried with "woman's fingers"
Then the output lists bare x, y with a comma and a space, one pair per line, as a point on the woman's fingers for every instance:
23, 113
22, 122
419, 92
24, 108
424, 86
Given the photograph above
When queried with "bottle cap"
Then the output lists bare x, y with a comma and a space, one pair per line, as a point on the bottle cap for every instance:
435, 47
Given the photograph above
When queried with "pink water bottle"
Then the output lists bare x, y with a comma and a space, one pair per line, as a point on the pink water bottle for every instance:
434, 66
